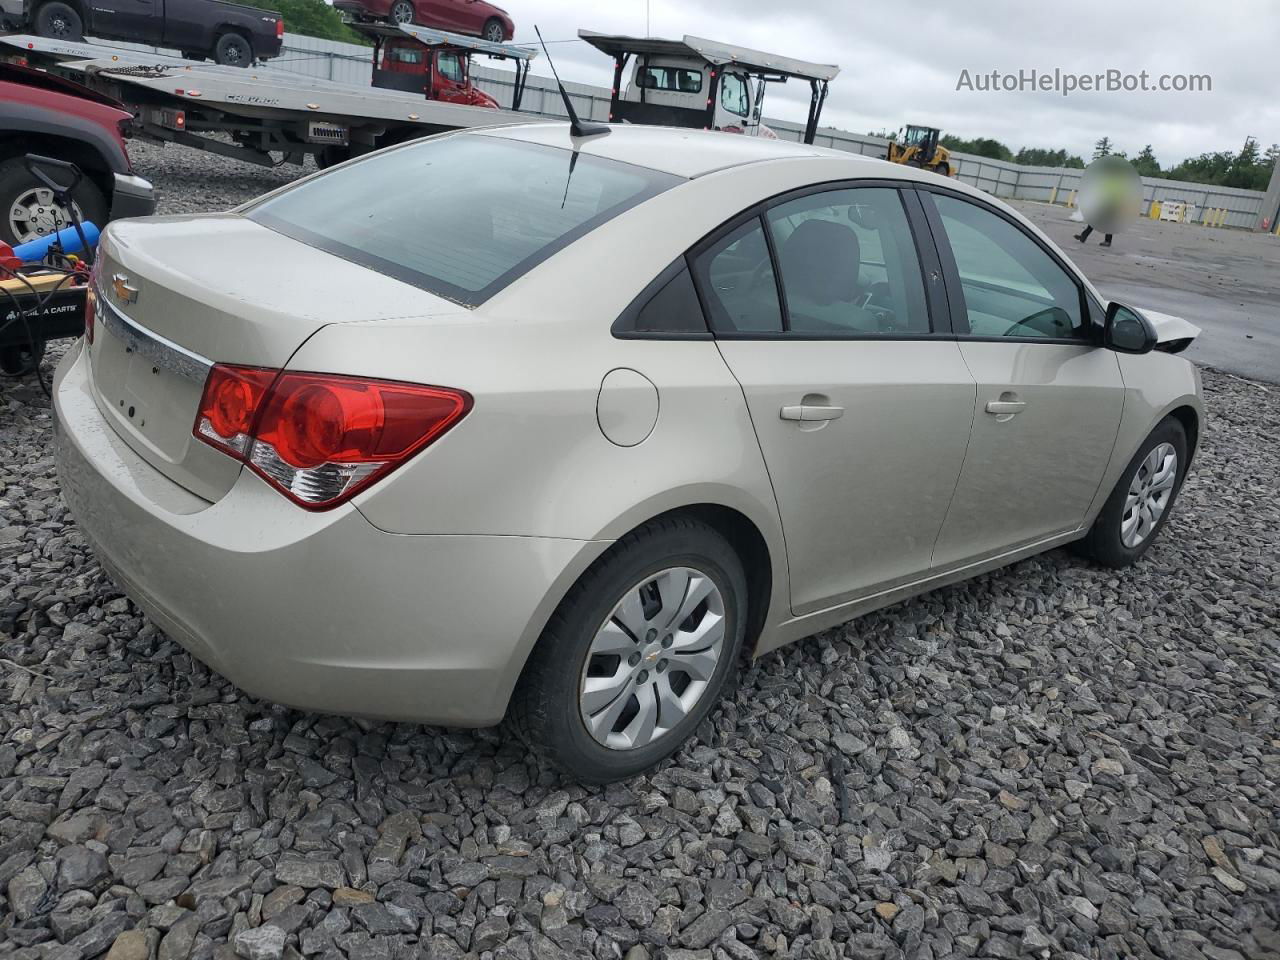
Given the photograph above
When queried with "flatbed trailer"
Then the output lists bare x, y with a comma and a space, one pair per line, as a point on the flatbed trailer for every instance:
258, 113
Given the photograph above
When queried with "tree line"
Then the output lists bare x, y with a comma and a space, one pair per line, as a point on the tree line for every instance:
311, 18
1249, 167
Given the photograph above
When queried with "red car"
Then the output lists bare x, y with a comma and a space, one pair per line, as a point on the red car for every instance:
405, 66
475, 17
42, 113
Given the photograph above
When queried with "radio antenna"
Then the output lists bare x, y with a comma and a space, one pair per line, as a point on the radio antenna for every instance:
576, 127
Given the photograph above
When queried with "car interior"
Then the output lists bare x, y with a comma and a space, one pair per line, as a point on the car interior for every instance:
848, 266
1012, 288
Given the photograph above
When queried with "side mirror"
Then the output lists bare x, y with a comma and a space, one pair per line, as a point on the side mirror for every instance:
1127, 331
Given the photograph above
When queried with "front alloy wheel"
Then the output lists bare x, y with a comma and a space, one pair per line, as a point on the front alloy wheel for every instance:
1149, 494
1142, 500
652, 659
402, 12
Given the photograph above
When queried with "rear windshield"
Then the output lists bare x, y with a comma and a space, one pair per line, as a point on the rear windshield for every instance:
460, 216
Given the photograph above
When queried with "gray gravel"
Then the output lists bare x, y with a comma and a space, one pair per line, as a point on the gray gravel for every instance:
1049, 761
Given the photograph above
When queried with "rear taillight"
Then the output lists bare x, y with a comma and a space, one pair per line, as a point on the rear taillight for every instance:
321, 438
280, 29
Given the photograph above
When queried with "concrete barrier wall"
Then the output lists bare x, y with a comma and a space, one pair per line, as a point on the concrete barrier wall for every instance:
351, 63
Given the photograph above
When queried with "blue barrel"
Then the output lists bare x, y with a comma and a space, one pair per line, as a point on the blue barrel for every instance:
33, 251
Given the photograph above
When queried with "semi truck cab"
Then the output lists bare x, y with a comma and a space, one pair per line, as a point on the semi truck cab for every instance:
695, 82
664, 84
437, 63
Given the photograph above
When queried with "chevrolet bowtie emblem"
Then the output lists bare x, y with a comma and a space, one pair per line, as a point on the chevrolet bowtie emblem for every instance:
123, 291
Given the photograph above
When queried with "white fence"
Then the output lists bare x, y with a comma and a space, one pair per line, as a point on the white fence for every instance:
351, 63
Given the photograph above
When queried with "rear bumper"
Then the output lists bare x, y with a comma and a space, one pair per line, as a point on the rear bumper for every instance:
320, 611
266, 48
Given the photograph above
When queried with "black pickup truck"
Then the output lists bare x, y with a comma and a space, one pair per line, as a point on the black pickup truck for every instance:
230, 33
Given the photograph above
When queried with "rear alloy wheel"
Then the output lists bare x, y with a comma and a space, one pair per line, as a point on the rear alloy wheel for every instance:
233, 50
638, 653
494, 31
402, 12
1142, 499
61, 21
652, 659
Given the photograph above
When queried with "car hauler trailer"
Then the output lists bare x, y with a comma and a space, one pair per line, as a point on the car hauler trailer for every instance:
702, 83
262, 115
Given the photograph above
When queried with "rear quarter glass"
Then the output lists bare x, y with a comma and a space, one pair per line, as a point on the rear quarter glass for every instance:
463, 216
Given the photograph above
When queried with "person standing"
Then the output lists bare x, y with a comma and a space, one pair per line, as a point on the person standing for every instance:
1083, 235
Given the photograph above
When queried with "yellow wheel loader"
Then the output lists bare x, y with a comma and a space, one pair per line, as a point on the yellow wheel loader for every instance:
919, 147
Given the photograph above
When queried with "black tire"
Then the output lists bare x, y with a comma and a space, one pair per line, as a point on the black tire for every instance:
943, 170
18, 360
402, 11
233, 50
1104, 543
16, 182
61, 21
545, 710
493, 31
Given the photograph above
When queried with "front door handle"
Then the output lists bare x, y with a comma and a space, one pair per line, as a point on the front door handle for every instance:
809, 412
1005, 407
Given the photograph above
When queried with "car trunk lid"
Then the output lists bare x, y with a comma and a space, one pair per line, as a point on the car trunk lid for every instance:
178, 294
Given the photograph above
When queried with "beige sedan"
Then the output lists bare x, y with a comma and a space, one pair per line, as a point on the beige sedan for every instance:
509, 423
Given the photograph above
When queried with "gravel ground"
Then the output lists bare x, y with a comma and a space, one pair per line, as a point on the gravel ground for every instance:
1048, 761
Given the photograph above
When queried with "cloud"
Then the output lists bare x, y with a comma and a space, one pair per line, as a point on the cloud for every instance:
900, 62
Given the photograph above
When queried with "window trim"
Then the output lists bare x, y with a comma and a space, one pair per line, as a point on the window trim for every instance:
935, 299
624, 326
959, 317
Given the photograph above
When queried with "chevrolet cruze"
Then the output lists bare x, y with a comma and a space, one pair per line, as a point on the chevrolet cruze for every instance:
569, 426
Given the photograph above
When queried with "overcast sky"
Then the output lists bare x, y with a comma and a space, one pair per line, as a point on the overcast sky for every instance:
901, 60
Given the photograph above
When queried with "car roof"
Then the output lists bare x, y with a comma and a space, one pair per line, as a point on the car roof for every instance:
681, 151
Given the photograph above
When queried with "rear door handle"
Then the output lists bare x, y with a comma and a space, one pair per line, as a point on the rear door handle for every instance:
1005, 407
809, 412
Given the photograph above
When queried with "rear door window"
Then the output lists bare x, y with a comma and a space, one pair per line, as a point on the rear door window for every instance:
849, 264
461, 216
